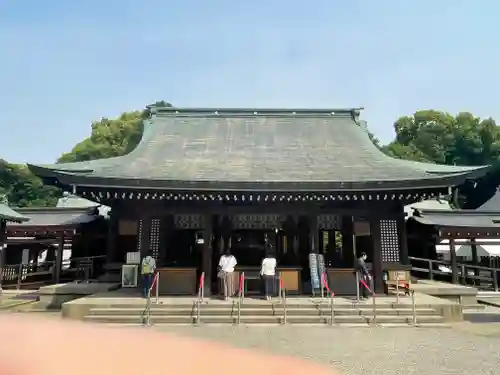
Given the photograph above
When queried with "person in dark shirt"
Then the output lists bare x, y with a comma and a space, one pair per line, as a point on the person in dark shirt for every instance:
363, 275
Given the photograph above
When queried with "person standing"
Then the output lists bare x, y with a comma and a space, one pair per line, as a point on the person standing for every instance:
268, 273
227, 262
148, 267
363, 275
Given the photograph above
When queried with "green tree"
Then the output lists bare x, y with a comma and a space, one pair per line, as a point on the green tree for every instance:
442, 138
21, 188
110, 138
439, 137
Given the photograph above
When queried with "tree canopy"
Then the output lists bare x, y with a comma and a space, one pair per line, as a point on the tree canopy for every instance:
427, 135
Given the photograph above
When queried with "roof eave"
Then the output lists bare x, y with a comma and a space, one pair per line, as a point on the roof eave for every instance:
12, 216
436, 183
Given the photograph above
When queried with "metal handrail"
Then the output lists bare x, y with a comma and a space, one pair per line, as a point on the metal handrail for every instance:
201, 295
282, 296
146, 314
332, 294
363, 282
283, 291
240, 295
414, 307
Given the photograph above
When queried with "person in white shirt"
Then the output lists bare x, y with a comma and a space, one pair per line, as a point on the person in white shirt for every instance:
148, 266
227, 262
268, 273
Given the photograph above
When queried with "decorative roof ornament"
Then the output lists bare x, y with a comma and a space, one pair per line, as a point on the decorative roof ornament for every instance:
4, 199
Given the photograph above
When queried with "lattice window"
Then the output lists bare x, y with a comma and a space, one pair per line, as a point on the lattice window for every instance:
140, 230
154, 238
389, 240
188, 221
257, 221
329, 222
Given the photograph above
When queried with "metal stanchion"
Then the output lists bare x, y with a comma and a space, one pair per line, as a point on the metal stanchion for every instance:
157, 288
357, 286
198, 313
243, 286
202, 287
397, 288
322, 284
332, 313
374, 321
284, 306
414, 307
239, 311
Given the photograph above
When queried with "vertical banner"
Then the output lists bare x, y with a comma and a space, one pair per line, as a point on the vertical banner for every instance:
313, 268
321, 265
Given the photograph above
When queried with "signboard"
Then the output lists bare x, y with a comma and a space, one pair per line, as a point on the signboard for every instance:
313, 268
130, 275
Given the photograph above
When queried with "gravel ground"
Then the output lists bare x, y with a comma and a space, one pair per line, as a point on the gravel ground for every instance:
369, 351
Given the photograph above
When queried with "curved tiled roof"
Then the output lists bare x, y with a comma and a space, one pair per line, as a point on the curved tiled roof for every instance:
8, 214
255, 148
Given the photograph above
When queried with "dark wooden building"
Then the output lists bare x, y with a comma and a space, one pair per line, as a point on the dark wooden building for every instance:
6, 215
427, 228
47, 247
298, 177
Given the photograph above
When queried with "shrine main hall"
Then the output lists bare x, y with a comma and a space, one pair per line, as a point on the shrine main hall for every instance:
307, 181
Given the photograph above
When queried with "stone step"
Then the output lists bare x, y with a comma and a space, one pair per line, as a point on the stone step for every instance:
264, 306
473, 308
262, 312
344, 325
14, 304
307, 319
488, 294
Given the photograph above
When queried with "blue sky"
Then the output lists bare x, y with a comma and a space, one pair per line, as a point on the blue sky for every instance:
65, 63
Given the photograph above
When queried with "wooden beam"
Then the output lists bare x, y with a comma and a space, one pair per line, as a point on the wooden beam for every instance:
378, 282
58, 262
403, 241
3, 245
206, 262
453, 258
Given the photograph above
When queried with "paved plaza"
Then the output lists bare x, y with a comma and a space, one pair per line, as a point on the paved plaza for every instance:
464, 349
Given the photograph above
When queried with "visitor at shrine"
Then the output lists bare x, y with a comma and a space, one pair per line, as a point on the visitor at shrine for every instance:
227, 262
148, 267
364, 276
268, 273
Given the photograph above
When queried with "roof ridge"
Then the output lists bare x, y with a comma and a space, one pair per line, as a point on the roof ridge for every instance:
354, 112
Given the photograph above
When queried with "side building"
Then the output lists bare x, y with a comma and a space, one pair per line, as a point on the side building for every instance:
306, 181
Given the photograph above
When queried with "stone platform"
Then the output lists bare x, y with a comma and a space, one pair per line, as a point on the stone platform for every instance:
55, 295
464, 295
126, 307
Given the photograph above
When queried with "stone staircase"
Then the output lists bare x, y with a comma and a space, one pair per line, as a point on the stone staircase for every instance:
267, 313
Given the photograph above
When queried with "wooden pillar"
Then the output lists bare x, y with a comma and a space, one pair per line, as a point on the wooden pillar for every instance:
453, 258
403, 241
348, 241
58, 262
113, 226
3, 248
377, 271
168, 227
475, 258
206, 261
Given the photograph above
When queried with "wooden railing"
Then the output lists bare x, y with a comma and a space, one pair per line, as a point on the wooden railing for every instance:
200, 297
82, 268
37, 274
485, 278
